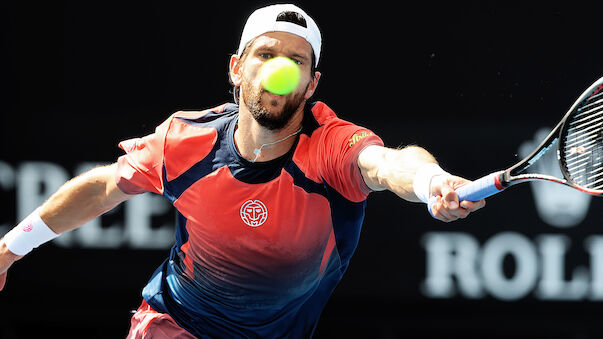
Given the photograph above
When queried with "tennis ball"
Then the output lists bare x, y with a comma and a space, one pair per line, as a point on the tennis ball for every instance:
280, 75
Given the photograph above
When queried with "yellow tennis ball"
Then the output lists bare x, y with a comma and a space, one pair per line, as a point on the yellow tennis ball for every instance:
280, 75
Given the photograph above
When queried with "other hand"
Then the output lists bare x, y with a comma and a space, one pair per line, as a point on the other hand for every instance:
7, 258
447, 206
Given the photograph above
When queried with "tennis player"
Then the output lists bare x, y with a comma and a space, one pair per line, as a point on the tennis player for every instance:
270, 196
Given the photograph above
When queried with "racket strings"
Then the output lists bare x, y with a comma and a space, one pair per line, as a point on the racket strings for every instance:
582, 150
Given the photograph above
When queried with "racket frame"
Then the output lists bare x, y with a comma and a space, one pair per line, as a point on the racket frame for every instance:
496, 182
513, 175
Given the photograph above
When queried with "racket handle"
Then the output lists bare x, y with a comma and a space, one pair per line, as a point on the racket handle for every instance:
480, 188
475, 190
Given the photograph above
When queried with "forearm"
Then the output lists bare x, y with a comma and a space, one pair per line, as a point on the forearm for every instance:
82, 199
78, 201
393, 169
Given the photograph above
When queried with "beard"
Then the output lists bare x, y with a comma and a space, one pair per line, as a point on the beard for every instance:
271, 121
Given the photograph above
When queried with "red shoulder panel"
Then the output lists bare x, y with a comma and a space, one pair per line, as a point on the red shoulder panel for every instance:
331, 153
185, 145
322, 113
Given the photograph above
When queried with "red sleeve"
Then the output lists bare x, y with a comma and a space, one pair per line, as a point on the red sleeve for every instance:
140, 169
338, 146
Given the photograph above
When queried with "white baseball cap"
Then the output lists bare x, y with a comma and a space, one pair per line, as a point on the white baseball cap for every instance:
264, 20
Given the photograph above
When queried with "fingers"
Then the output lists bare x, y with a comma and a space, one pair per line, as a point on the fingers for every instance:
473, 206
7, 258
2, 280
446, 208
449, 198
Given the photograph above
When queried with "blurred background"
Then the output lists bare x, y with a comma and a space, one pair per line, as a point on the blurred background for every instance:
476, 83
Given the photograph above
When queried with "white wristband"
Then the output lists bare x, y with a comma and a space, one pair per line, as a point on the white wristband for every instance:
29, 234
422, 181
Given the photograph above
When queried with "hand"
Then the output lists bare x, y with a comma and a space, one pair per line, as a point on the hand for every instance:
446, 206
7, 258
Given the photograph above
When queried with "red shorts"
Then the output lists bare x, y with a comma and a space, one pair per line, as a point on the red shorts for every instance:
150, 324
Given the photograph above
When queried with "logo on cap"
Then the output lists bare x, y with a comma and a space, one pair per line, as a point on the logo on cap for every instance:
254, 213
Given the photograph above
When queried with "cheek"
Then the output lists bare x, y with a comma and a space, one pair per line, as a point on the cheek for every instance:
307, 88
251, 70
252, 79
249, 80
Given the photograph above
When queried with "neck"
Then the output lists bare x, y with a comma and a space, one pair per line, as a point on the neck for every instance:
251, 136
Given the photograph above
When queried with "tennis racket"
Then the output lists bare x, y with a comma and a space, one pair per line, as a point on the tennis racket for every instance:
579, 138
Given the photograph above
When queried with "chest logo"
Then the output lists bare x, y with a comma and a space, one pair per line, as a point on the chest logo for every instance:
254, 213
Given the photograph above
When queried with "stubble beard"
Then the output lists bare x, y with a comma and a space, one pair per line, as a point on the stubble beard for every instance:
252, 97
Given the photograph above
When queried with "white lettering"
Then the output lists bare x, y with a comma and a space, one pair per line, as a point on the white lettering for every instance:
451, 256
510, 266
526, 263
7, 183
139, 211
34, 182
92, 234
594, 246
552, 284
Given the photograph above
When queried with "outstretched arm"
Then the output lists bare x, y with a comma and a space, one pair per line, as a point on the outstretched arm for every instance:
413, 170
82, 199
75, 203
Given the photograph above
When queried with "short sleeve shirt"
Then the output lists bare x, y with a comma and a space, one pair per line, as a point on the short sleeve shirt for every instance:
259, 247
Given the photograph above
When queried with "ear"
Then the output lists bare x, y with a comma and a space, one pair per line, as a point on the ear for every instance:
312, 86
234, 70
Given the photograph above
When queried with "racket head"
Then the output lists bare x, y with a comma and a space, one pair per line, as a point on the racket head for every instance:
580, 148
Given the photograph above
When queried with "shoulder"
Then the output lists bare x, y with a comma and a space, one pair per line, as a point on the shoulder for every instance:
330, 151
184, 125
222, 112
321, 112
191, 135
324, 117
328, 125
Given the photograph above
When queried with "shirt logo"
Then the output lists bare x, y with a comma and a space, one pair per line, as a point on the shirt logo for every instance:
357, 137
254, 213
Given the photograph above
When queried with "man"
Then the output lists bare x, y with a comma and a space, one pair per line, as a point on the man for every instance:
270, 197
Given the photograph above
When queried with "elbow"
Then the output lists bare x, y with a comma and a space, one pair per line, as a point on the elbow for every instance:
373, 165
